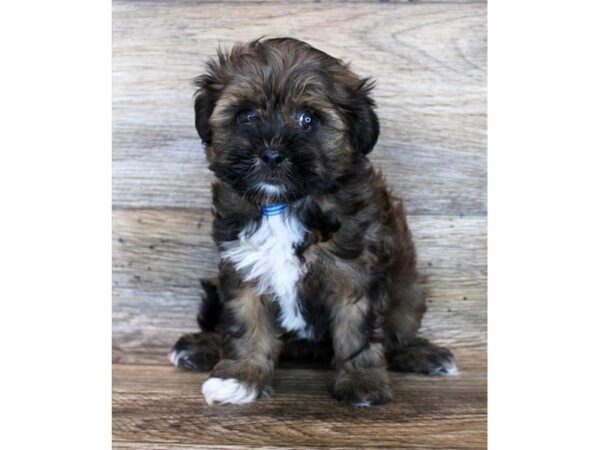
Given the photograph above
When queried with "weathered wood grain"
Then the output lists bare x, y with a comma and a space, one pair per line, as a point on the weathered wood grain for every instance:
429, 60
164, 406
160, 255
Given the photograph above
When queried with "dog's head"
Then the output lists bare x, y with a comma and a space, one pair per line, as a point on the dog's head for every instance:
281, 120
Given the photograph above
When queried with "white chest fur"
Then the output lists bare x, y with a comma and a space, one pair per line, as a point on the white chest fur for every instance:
267, 254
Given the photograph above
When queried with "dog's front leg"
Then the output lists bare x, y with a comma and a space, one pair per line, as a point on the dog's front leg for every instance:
361, 376
253, 347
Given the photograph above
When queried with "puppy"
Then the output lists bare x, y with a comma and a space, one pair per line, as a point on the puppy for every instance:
316, 258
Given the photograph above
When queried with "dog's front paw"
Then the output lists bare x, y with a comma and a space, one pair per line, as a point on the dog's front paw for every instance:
362, 387
236, 383
228, 390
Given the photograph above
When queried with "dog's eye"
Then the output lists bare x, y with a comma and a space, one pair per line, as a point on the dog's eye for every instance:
247, 116
306, 120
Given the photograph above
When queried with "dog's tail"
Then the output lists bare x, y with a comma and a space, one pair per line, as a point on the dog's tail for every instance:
209, 313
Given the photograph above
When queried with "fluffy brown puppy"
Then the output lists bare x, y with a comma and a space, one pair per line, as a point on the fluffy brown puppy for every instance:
316, 260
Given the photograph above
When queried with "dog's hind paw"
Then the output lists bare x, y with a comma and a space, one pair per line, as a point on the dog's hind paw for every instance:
199, 351
421, 356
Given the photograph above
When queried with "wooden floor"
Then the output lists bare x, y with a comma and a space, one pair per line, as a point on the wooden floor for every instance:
163, 406
429, 59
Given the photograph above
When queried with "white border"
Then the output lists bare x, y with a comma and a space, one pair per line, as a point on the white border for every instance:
55, 226
55, 156
543, 247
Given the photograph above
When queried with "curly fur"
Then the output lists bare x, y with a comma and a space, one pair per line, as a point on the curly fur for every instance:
332, 279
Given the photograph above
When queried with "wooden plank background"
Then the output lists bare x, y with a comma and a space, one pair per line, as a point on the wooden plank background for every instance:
429, 60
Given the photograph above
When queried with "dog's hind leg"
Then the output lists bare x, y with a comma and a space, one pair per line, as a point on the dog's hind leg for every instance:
201, 351
404, 351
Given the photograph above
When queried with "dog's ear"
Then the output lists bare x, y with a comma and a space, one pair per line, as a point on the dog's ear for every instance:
204, 103
209, 89
358, 107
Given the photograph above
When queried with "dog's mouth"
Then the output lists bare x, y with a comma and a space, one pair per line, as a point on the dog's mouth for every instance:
271, 192
271, 188
259, 183
271, 183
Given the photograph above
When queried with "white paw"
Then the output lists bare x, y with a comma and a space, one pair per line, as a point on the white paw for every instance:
229, 390
363, 404
174, 357
182, 359
447, 369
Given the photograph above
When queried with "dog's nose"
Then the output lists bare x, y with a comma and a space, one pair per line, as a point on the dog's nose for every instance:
272, 157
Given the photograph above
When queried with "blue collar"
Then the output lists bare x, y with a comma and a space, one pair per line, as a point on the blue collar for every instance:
274, 209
